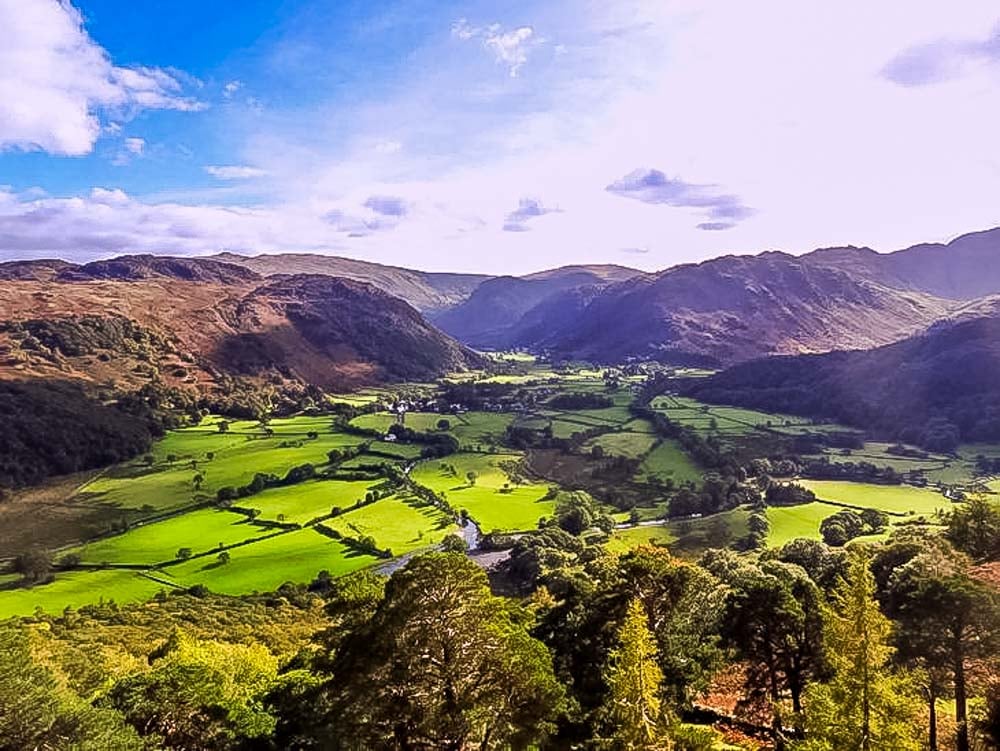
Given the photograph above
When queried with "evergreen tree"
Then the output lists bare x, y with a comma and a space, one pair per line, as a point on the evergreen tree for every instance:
634, 681
866, 706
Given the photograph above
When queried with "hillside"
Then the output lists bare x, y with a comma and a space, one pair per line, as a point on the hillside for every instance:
965, 268
934, 389
425, 291
737, 308
191, 321
494, 315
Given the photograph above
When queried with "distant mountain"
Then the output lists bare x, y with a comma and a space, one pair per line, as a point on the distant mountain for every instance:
968, 267
425, 291
736, 308
500, 310
25, 271
191, 322
136, 268
934, 389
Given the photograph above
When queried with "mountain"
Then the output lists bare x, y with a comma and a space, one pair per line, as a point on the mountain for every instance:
25, 271
136, 268
425, 291
328, 330
934, 389
191, 322
495, 314
732, 309
965, 268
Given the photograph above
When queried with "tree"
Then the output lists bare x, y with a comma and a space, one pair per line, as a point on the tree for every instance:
34, 566
774, 620
443, 424
471, 477
223, 426
865, 707
184, 553
946, 619
197, 481
223, 558
634, 680
38, 712
200, 694
443, 664
974, 527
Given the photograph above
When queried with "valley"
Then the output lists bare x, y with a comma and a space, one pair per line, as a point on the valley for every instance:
242, 506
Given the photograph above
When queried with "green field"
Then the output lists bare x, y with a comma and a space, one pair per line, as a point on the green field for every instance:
733, 421
78, 588
669, 461
893, 499
201, 531
472, 429
519, 509
625, 539
686, 538
266, 565
305, 501
791, 522
624, 443
168, 485
399, 524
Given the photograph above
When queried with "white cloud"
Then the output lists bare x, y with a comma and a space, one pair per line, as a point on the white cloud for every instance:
56, 83
234, 172
231, 88
509, 48
135, 145
758, 98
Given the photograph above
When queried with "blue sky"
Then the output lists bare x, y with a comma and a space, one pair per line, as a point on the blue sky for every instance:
494, 137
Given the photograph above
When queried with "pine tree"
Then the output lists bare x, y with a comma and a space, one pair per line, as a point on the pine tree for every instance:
634, 679
866, 706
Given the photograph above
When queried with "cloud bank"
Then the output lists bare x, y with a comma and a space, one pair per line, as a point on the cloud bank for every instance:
57, 84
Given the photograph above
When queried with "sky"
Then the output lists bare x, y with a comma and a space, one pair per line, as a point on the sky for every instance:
495, 137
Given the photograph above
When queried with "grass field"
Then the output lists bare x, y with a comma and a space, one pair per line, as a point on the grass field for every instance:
201, 531
623, 443
266, 565
669, 461
791, 522
237, 458
472, 429
78, 588
399, 524
733, 421
519, 509
306, 501
626, 539
893, 499
687, 538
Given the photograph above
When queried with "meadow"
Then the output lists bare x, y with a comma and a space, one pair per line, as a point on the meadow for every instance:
306, 501
488, 502
199, 531
900, 500
222, 459
668, 461
265, 565
400, 523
